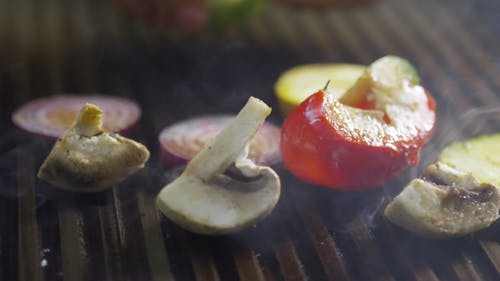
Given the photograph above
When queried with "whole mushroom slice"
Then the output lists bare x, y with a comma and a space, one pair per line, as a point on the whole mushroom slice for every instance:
445, 203
88, 159
221, 190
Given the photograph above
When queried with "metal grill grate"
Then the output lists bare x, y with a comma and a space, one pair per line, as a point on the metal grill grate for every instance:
314, 234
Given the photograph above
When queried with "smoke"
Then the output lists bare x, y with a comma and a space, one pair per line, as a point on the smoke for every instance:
472, 123
21, 155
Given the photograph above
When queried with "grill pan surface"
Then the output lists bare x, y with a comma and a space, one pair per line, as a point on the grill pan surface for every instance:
57, 46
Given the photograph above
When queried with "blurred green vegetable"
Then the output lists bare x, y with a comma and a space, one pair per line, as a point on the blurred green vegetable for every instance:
227, 13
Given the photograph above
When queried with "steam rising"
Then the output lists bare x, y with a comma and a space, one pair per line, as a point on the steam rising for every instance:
345, 211
472, 123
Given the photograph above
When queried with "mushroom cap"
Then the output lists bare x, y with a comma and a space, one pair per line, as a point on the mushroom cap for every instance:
455, 205
221, 205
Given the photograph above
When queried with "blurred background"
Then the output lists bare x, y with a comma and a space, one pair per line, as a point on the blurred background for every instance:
234, 46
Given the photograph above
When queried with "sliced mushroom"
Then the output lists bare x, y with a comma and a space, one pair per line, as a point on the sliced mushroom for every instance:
445, 203
221, 190
87, 159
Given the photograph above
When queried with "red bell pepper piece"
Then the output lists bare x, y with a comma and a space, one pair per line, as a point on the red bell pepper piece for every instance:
368, 136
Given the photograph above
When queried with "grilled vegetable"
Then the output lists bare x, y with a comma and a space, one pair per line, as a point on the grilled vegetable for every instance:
478, 156
51, 117
181, 141
374, 131
88, 159
298, 83
221, 190
456, 196
445, 203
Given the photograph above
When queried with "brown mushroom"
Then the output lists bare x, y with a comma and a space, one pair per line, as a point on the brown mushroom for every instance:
87, 159
445, 203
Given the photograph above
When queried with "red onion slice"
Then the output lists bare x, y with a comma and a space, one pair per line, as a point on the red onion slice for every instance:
181, 141
52, 116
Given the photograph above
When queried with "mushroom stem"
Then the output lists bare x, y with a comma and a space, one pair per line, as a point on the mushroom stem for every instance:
218, 155
89, 121
205, 200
